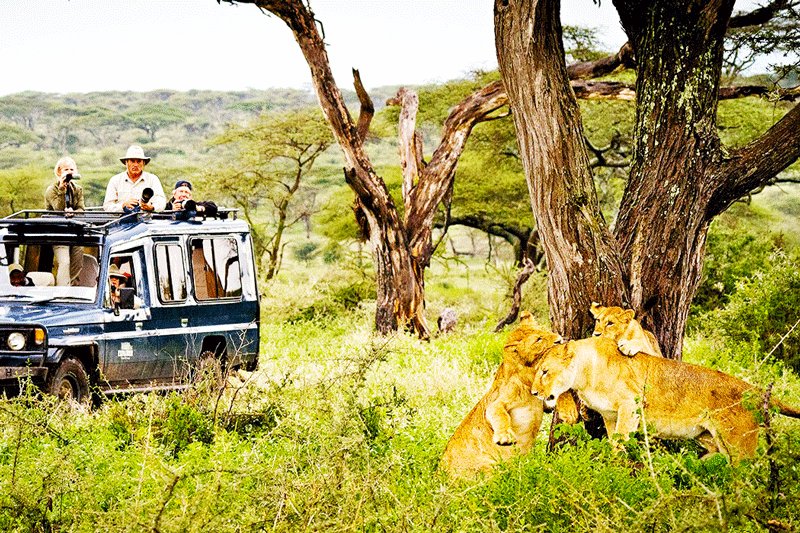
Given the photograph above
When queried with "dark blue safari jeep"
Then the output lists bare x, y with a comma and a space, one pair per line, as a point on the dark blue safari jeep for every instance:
143, 301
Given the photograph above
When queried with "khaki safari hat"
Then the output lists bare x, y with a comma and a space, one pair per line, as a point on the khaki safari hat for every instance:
15, 267
135, 152
114, 272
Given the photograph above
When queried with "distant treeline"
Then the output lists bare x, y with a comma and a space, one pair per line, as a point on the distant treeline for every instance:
65, 123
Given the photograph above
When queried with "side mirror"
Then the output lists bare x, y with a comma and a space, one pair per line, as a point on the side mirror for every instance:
126, 299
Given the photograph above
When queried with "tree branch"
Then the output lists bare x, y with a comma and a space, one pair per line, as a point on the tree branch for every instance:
367, 109
408, 144
516, 295
756, 163
760, 15
605, 65
438, 175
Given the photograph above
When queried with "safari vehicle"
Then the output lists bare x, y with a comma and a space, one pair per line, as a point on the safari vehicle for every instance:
188, 297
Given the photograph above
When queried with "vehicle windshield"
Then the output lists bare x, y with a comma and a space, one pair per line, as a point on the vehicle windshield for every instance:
39, 272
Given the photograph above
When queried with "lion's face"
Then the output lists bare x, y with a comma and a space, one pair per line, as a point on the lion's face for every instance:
553, 376
529, 341
611, 322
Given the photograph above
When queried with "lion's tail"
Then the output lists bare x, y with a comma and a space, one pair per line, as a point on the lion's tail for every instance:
786, 410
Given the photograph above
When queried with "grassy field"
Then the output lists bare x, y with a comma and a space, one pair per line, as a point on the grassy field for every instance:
341, 430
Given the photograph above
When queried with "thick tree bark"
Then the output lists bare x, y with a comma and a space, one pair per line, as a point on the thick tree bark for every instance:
680, 175
580, 251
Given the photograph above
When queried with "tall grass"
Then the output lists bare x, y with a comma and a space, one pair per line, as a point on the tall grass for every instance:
342, 430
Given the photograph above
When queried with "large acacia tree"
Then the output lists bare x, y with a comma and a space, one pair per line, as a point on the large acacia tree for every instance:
681, 176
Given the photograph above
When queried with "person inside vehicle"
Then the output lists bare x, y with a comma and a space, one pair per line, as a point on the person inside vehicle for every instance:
182, 201
117, 280
66, 195
18, 277
134, 189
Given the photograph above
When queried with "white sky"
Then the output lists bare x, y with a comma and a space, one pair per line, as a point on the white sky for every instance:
66, 46
92, 45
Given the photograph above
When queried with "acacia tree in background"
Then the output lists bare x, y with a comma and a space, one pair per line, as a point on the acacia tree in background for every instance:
401, 246
681, 176
274, 155
152, 117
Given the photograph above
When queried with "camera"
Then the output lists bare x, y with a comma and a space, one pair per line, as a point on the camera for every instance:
147, 195
71, 176
189, 211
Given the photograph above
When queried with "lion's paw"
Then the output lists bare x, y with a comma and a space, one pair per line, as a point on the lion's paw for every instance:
630, 347
505, 438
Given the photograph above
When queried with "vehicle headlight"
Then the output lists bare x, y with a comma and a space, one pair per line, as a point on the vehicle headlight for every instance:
16, 341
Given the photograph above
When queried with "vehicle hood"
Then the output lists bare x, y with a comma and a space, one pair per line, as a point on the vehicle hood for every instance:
49, 314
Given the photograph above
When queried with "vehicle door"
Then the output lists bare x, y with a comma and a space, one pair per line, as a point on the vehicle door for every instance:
222, 315
131, 353
172, 310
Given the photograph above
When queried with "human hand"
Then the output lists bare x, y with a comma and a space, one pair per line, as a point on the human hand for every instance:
146, 206
130, 204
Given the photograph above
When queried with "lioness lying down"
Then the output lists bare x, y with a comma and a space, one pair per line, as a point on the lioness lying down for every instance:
680, 400
508, 414
619, 325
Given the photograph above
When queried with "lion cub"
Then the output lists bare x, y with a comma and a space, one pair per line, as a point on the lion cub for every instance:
619, 325
680, 400
508, 414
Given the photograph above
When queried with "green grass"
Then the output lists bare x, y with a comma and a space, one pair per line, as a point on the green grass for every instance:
342, 430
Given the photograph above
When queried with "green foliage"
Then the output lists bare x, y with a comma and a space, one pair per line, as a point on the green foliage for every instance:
305, 251
582, 43
23, 188
733, 253
763, 313
13, 135
266, 170
183, 425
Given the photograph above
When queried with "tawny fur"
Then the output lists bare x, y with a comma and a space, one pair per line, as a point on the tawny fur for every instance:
621, 326
505, 421
680, 400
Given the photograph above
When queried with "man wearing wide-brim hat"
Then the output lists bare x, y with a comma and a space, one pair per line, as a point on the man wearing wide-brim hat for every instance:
124, 191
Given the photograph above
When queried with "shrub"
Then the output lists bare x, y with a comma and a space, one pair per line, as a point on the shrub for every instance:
731, 254
763, 309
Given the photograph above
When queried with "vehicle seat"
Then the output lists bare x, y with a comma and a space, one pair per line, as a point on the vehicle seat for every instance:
89, 272
42, 279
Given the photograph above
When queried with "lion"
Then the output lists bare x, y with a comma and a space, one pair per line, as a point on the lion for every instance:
679, 400
505, 421
619, 325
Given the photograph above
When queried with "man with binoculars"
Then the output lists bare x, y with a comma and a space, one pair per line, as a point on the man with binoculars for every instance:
66, 195
128, 191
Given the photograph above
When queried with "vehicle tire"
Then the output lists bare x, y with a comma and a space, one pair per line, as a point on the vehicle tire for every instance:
69, 381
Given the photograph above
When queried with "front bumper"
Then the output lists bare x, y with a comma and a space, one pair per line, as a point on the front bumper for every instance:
13, 373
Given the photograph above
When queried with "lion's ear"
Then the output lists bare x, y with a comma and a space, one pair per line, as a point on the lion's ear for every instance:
595, 309
526, 318
629, 314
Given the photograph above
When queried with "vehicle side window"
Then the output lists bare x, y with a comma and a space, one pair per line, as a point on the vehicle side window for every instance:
171, 273
123, 273
215, 268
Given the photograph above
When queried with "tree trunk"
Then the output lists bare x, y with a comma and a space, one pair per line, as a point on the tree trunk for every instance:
580, 252
680, 175
662, 223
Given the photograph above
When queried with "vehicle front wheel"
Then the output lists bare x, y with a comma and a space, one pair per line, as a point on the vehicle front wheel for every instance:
69, 381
